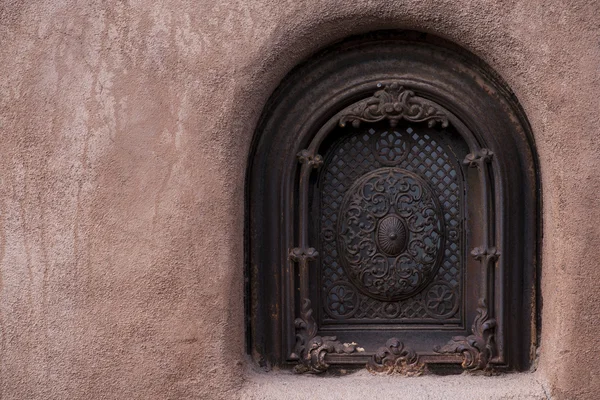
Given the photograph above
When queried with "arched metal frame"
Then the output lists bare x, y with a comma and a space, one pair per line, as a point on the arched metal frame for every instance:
391, 77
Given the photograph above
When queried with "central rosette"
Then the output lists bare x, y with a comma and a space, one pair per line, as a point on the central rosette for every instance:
390, 234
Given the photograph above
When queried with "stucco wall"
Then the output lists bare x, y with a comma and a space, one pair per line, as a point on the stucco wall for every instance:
125, 131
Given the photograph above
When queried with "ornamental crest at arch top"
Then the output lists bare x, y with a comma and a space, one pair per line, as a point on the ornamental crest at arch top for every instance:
391, 234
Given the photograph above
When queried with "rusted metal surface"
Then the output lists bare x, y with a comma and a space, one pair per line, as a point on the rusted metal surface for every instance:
378, 205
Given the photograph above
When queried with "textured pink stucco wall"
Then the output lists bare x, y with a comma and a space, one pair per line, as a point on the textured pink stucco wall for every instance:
125, 130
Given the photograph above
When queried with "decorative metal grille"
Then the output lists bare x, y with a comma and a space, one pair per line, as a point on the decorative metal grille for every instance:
361, 298
392, 215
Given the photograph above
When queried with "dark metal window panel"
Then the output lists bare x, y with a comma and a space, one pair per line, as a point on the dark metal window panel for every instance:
392, 214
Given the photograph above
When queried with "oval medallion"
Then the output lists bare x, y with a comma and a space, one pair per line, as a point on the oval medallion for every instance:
391, 233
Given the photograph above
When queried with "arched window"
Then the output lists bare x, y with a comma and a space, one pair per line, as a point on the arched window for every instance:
392, 214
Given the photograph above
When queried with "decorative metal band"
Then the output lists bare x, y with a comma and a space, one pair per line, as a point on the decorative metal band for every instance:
394, 357
394, 103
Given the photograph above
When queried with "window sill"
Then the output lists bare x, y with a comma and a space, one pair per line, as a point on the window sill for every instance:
363, 385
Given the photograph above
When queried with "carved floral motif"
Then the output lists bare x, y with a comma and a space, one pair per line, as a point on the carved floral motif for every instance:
342, 300
479, 347
441, 300
394, 357
311, 349
394, 103
391, 147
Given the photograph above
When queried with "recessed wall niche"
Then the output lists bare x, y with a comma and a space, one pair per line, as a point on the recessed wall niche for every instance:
392, 214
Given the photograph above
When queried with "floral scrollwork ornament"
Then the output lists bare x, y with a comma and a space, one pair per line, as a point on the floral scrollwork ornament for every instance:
394, 103
478, 348
394, 357
311, 349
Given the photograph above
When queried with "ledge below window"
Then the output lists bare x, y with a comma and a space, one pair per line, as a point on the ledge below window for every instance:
363, 385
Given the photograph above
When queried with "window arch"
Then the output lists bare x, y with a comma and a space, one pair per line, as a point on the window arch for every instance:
392, 213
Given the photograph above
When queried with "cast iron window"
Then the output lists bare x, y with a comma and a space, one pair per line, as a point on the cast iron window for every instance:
392, 214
